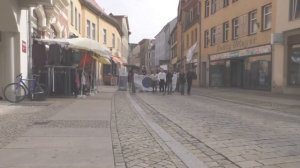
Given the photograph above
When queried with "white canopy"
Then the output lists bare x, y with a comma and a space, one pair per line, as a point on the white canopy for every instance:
81, 44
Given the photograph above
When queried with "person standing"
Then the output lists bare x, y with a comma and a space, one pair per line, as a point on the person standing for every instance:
169, 87
181, 80
154, 81
189, 79
162, 80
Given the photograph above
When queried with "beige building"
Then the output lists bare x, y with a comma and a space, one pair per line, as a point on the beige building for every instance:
189, 18
286, 46
236, 48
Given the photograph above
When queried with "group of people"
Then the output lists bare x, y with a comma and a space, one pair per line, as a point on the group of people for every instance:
164, 79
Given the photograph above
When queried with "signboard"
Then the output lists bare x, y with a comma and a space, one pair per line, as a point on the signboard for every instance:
277, 38
24, 47
242, 53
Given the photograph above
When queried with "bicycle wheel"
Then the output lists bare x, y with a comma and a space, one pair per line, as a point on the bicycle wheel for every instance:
14, 92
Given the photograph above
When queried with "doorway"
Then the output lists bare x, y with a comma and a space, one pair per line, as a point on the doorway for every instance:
236, 73
203, 74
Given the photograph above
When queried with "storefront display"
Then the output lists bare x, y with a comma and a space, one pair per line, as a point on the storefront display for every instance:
241, 69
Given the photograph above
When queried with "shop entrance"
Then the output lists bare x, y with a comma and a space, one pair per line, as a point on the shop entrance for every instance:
236, 73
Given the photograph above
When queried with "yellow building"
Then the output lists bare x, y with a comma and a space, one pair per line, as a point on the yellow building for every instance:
188, 27
286, 47
87, 19
235, 43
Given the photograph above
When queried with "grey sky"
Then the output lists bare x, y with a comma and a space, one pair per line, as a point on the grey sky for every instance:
146, 17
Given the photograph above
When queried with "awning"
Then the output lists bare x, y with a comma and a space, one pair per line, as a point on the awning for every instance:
117, 60
81, 44
102, 60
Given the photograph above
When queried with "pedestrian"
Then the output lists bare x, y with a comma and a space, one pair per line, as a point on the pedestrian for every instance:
130, 79
169, 87
189, 79
162, 80
181, 79
154, 81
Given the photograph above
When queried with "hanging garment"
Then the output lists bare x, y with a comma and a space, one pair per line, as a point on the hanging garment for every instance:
54, 57
67, 57
39, 56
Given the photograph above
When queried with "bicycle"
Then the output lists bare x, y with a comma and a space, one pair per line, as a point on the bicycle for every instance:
16, 92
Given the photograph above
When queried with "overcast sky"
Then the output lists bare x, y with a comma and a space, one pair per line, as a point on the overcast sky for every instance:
146, 17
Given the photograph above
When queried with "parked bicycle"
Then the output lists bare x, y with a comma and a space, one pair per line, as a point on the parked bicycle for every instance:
16, 92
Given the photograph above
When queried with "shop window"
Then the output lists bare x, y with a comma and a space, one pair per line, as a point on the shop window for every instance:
225, 31
235, 28
267, 17
294, 65
252, 22
294, 9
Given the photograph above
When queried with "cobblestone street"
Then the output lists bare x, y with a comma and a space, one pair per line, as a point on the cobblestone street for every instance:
222, 132
210, 129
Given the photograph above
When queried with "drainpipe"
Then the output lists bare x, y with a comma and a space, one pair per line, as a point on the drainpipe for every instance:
29, 61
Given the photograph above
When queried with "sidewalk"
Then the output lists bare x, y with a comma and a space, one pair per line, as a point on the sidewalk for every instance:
77, 136
262, 99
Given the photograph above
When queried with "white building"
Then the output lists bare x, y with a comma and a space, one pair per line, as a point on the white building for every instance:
162, 46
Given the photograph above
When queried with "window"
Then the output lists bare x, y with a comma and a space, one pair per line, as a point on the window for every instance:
72, 20
196, 34
79, 23
233, 1
113, 40
207, 8
104, 36
206, 38
252, 22
225, 3
213, 6
294, 9
191, 15
213, 36
187, 41
267, 17
76, 18
88, 29
225, 31
93, 31
235, 28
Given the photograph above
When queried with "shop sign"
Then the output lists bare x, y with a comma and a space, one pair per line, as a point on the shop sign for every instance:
242, 53
236, 44
24, 46
277, 38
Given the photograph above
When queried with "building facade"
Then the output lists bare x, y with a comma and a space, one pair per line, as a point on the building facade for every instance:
162, 45
286, 47
235, 45
190, 31
150, 57
25, 20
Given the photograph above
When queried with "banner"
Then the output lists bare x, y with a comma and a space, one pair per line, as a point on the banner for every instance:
144, 82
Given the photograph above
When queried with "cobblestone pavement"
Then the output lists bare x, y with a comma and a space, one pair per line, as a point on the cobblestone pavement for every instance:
225, 134
135, 145
18, 118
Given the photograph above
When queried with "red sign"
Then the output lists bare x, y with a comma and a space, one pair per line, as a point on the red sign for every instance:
24, 47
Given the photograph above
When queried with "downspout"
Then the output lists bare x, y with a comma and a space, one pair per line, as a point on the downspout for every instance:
29, 61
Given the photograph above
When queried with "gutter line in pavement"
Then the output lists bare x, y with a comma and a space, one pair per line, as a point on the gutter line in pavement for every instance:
189, 159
